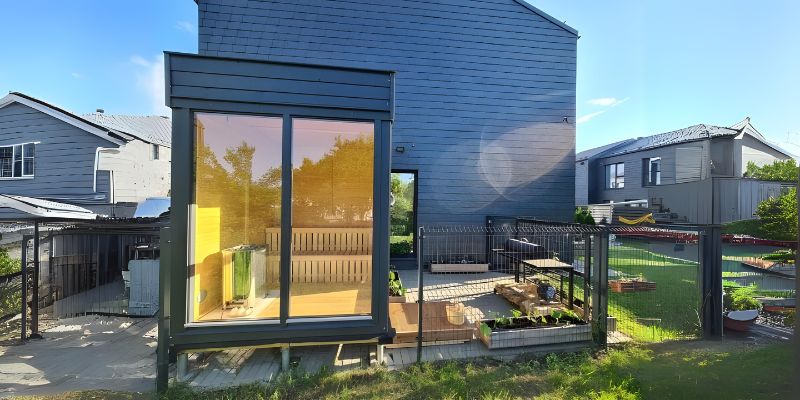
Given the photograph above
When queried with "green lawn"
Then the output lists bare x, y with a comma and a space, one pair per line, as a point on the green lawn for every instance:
677, 370
675, 301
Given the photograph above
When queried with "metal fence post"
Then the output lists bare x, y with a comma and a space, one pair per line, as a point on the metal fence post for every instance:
420, 298
24, 268
711, 282
35, 295
587, 273
162, 353
600, 293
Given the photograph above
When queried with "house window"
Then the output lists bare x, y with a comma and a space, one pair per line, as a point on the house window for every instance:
17, 161
155, 152
652, 171
615, 176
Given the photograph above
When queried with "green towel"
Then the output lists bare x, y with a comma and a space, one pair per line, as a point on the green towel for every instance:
241, 274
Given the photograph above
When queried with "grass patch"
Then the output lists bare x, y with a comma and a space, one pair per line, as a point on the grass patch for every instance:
675, 301
676, 371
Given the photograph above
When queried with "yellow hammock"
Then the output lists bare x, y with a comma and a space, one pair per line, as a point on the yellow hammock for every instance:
646, 218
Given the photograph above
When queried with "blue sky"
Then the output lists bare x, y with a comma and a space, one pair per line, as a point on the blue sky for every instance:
644, 67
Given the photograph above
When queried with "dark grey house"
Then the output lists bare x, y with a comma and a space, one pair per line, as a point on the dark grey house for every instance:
484, 90
683, 172
104, 163
290, 121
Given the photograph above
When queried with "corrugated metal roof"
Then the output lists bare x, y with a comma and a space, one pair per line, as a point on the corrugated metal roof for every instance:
690, 134
587, 154
150, 128
685, 135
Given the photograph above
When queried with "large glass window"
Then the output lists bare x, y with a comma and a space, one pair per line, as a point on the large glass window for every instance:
237, 217
332, 205
615, 176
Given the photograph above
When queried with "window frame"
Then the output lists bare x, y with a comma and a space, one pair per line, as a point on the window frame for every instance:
381, 129
155, 152
22, 159
648, 171
618, 179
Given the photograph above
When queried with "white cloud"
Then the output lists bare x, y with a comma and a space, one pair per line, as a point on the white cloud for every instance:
603, 101
607, 102
77, 75
587, 117
186, 26
150, 80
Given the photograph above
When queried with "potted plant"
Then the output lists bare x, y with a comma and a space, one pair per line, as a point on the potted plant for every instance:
741, 307
560, 326
397, 292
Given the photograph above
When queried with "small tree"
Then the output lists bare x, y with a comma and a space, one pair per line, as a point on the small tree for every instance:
784, 171
583, 216
779, 216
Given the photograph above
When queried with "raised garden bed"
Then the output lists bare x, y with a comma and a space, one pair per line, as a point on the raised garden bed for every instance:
631, 285
523, 331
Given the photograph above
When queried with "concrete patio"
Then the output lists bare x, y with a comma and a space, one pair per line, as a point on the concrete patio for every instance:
94, 352
81, 353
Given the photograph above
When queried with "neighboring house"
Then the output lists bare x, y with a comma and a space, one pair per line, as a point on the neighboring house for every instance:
298, 112
682, 172
104, 163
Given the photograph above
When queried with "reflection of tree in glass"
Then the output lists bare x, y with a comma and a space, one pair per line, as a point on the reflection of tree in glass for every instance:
247, 207
335, 190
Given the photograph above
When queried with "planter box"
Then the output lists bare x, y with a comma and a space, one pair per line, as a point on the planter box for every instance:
459, 267
397, 299
535, 336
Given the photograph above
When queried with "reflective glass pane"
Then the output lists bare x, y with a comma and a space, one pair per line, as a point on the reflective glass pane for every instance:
401, 239
332, 202
236, 253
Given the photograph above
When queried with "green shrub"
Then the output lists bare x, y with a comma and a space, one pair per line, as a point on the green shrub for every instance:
739, 298
779, 216
396, 287
8, 265
583, 216
400, 248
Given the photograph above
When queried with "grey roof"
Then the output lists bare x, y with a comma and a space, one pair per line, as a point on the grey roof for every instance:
685, 135
586, 154
149, 128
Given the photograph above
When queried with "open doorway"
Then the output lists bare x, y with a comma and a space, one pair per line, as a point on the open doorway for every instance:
403, 211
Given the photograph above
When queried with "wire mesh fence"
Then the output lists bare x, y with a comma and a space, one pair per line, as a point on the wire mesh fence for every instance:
497, 290
10, 306
653, 283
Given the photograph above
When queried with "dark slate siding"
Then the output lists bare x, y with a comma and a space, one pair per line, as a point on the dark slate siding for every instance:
482, 87
65, 156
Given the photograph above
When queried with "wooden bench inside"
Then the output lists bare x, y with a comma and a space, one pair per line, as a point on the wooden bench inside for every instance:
325, 254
